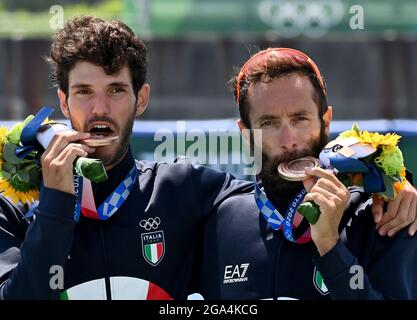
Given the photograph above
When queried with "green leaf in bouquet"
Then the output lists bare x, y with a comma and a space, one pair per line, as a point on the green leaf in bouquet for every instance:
389, 193
33, 154
396, 178
391, 179
9, 154
9, 168
35, 175
371, 157
19, 184
35, 178
15, 132
6, 175
391, 160
27, 120
355, 128
23, 176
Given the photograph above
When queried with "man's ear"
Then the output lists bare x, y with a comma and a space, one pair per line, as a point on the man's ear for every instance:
243, 130
327, 118
143, 99
63, 103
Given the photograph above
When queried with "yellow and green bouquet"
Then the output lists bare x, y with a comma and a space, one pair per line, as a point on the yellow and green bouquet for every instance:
20, 150
365, 159
19, 178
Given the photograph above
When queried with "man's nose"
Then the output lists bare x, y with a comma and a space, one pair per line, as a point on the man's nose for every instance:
101, 105
288, 138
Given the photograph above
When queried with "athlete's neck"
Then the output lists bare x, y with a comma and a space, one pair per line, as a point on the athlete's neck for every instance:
280, 200
109, 167
115, 174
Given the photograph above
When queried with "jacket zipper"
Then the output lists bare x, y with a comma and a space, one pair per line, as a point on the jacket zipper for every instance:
106, 273
276, 264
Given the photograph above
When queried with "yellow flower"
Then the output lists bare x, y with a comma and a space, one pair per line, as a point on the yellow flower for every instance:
376, 139
16, 196
3, 134
14, 189
373, 138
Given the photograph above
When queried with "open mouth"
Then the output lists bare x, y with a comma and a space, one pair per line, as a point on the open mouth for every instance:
101, 130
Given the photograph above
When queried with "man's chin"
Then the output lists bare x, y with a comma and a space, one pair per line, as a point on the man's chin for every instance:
273, 182
108, 155
279, 186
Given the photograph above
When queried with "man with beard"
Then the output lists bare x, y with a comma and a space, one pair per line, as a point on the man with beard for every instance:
130, 237
253, 250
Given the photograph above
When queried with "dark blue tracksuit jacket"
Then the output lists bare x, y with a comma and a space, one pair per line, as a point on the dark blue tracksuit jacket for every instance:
146, 250
243, 259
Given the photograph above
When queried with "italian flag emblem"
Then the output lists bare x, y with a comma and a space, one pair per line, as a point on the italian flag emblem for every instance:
319, 282
120, 288
153, 247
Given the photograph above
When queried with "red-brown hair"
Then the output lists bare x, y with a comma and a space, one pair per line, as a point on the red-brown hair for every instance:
272, 63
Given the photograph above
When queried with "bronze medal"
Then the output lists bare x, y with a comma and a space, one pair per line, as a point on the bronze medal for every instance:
295, 169
100, 141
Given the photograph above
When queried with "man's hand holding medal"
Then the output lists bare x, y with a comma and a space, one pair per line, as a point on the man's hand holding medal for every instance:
359, 158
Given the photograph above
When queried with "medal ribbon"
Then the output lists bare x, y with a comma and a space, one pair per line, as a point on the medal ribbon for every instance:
85, 199
28, 140
274, 218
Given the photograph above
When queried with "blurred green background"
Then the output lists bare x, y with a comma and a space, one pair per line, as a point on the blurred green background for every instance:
168, 18
195, 46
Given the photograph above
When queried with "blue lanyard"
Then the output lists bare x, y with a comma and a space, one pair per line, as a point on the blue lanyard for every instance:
273, 216
290, 214
113, 202
78, 187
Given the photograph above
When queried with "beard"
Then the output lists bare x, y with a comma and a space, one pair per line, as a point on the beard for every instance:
274, 185
110, 159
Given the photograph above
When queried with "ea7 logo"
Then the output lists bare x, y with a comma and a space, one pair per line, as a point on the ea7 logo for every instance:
235, 273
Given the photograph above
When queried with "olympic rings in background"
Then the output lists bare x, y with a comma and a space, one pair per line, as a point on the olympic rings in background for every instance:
313, 18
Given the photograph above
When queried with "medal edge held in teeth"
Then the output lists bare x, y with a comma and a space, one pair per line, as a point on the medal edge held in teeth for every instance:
100, 142
291, 175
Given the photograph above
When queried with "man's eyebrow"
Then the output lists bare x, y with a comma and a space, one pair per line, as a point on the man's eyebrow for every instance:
300, 113
80, 85
274, 117
112, 84
118, 84
267, 117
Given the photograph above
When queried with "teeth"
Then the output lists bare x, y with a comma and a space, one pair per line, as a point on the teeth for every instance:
100, 127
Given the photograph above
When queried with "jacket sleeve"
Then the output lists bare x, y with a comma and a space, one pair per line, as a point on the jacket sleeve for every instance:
26, 259
212, 187
389, 273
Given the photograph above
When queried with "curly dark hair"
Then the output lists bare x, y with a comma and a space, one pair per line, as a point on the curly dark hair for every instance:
109, 44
